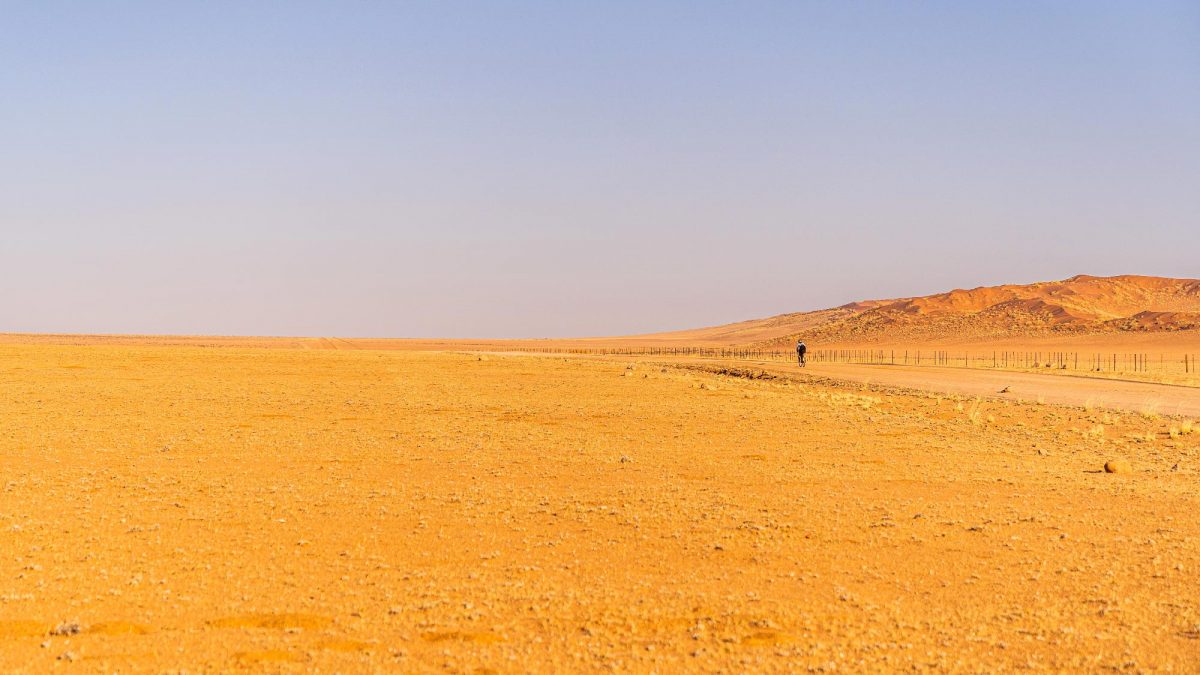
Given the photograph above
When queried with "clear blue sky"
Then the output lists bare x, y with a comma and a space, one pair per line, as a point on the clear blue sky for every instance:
504, 169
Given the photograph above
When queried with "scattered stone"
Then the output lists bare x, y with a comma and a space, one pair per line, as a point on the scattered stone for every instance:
1118, 466
70, 628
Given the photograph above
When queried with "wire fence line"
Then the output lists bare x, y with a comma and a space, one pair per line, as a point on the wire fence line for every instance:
1098, 362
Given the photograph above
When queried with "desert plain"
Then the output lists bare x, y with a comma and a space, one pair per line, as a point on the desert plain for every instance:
681, 502
169, 507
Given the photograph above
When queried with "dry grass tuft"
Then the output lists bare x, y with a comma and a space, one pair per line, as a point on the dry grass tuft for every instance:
975, 414
1149, 410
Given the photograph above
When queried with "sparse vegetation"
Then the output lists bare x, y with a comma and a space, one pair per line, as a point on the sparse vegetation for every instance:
975, 415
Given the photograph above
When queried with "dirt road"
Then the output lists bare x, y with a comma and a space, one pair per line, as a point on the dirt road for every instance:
1141, 397
1063, 390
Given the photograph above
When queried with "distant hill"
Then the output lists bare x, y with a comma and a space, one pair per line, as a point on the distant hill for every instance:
1079, 305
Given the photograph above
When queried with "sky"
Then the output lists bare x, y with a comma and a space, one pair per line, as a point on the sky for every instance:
554, 169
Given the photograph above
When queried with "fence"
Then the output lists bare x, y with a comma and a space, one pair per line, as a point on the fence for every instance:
997, 360
1012, 360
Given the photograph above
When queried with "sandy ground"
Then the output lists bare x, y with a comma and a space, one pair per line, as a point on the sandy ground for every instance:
180, 508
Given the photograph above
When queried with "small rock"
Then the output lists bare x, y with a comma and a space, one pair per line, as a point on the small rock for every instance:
1117, 466
67, 629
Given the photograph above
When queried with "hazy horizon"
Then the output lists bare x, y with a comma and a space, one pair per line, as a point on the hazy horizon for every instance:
550, 170
598, 335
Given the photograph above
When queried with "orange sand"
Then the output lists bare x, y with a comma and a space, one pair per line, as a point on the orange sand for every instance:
290, 509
